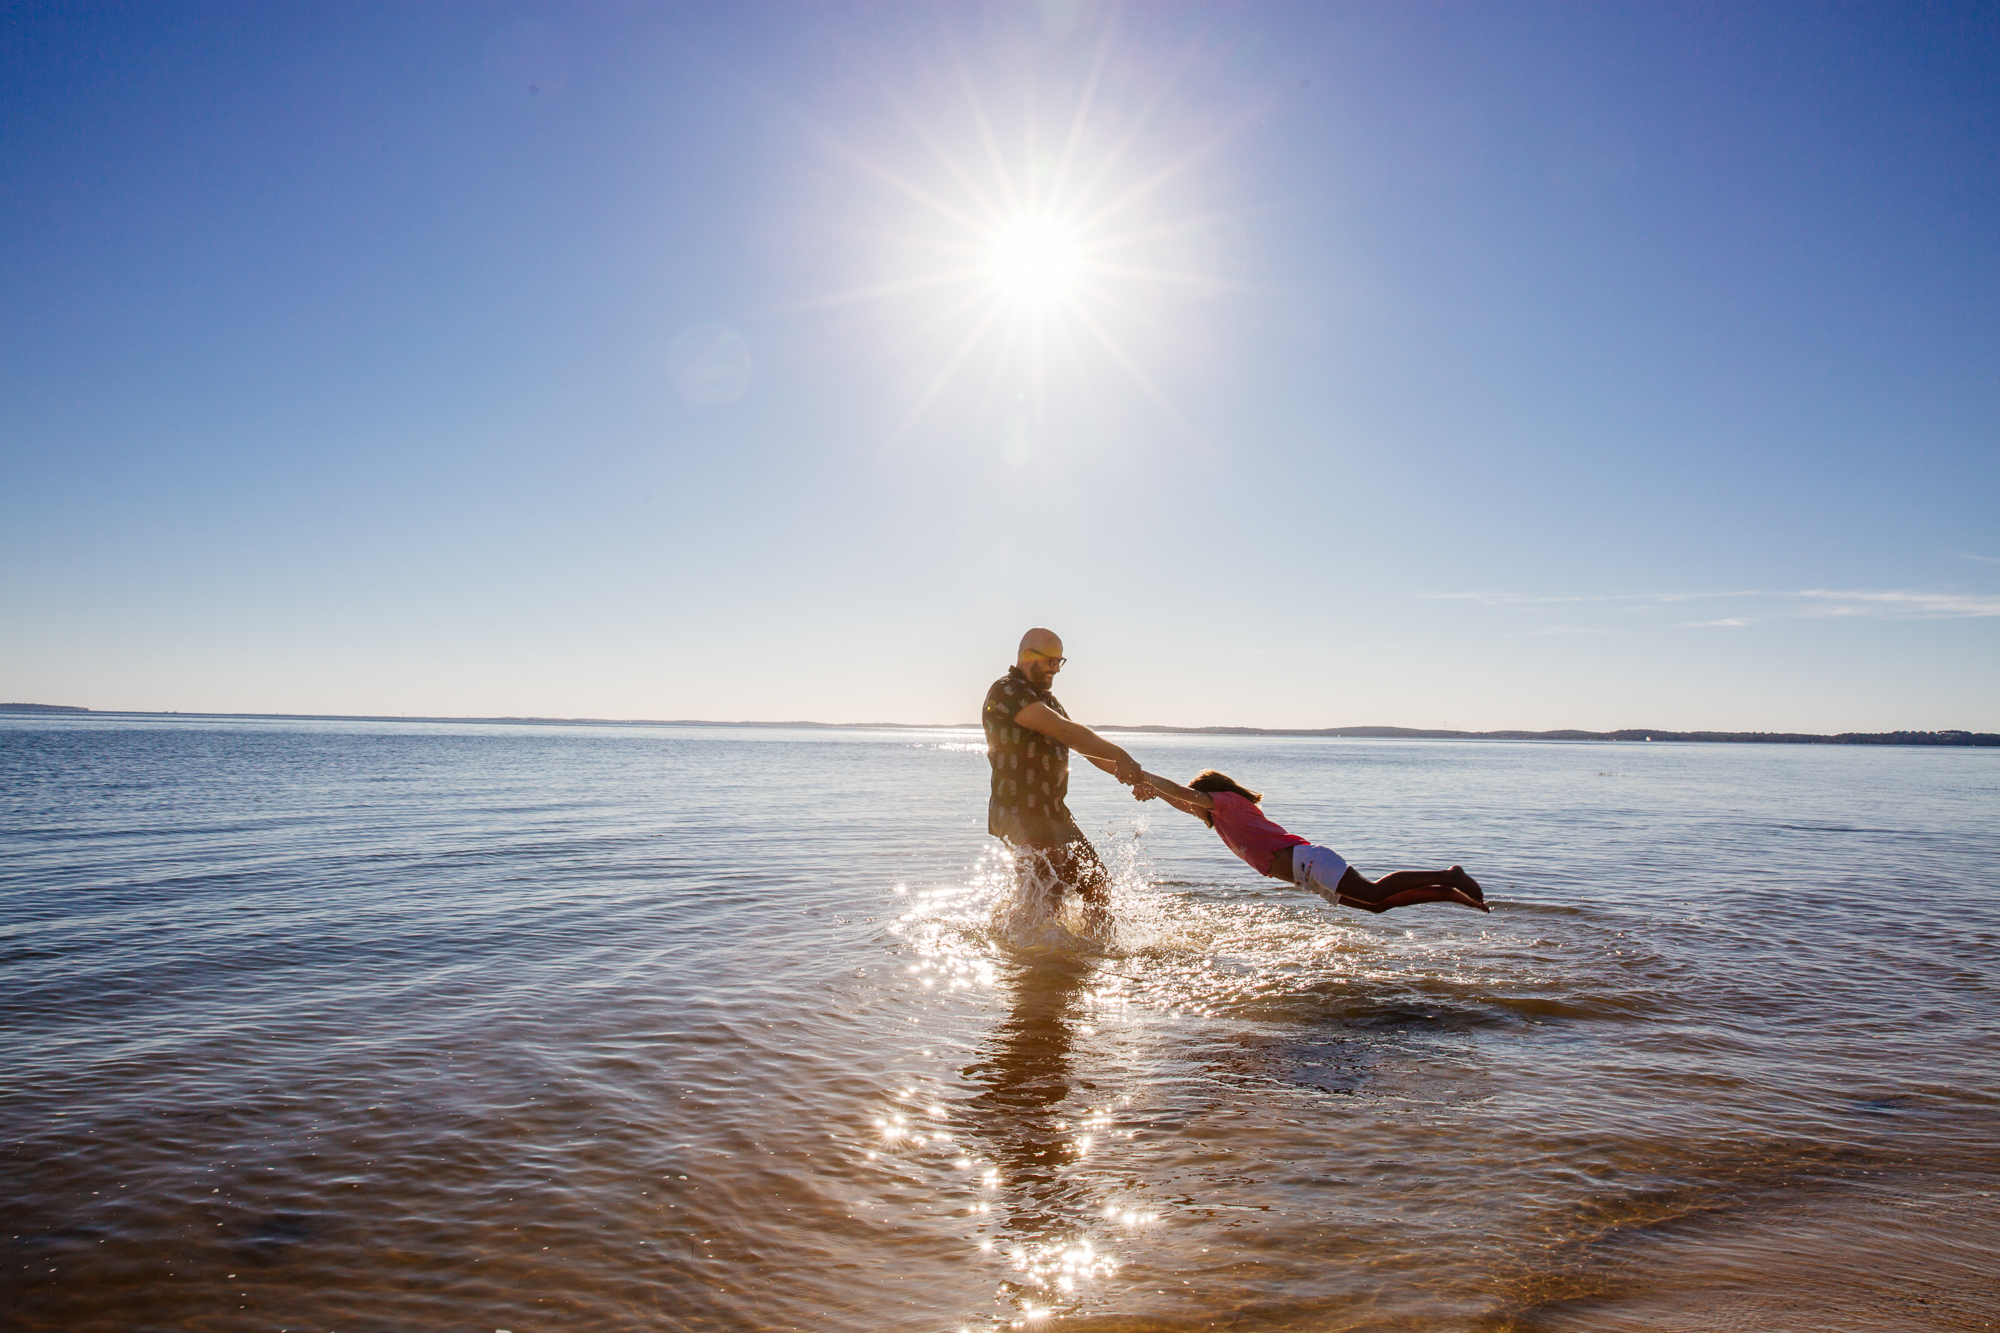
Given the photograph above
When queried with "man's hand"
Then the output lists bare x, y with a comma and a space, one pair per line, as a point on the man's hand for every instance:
1129, 772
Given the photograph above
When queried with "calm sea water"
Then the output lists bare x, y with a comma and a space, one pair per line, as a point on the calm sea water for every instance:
346, 1026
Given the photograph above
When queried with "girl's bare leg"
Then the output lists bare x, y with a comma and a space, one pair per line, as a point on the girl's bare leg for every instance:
1404, 888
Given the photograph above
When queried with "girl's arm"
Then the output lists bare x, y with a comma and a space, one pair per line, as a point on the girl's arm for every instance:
1184, 798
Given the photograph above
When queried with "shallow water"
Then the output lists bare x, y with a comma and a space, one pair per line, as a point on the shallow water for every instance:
338, 1026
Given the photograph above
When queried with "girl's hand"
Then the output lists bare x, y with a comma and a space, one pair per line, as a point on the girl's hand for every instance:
1141, 792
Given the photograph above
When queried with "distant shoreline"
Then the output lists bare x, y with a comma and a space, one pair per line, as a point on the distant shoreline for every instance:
1981, 738
1631, 734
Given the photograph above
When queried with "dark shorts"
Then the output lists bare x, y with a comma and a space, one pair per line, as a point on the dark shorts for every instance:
1072, 867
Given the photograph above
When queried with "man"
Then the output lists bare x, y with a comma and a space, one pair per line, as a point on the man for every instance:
1028, 740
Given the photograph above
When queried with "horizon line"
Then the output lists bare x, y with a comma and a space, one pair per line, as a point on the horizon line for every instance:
1365, 732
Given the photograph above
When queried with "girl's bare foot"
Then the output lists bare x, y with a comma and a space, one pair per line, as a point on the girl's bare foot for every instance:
1463, 899
1467, 885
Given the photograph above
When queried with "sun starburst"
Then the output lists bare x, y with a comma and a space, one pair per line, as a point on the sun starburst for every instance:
1018, 266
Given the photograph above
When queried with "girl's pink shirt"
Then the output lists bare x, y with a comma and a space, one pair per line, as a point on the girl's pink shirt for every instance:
1246, 832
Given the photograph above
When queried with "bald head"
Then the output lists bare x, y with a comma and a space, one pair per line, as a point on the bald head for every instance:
1040, 643
1040, 656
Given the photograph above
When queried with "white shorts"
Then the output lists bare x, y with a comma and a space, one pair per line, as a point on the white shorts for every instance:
1318, 870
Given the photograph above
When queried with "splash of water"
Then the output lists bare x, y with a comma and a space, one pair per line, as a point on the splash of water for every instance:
1034, 918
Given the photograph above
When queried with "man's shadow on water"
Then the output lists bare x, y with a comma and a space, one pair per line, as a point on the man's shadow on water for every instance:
1025, 1074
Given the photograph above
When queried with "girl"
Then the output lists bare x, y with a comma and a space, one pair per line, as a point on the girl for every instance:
1230, 808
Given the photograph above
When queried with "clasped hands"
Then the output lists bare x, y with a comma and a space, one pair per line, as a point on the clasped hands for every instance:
1134, 777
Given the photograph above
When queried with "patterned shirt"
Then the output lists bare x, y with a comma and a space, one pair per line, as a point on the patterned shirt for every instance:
1030, 770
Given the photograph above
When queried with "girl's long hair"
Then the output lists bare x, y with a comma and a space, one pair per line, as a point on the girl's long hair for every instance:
1209, 780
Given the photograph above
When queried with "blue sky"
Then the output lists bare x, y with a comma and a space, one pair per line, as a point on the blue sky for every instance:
1437, 365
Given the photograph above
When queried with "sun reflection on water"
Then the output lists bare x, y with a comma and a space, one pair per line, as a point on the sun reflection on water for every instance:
1031, 1151
1019, 1145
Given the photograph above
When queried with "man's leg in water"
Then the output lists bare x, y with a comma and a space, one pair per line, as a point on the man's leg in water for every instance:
1402, 888
1073, 867
1079, 870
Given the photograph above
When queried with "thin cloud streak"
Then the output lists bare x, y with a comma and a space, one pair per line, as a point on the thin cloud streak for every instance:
1523, 599
1557, 629
1803, 604
1908, 605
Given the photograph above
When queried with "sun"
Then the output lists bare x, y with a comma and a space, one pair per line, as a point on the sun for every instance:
1049, 248
1035, 260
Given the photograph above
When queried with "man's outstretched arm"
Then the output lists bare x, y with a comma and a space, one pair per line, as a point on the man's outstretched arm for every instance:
1113, 760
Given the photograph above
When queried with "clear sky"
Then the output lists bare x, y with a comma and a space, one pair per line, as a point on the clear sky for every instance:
1466, 365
